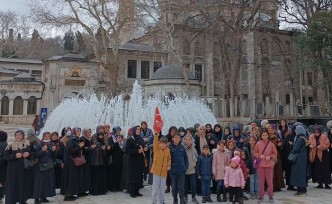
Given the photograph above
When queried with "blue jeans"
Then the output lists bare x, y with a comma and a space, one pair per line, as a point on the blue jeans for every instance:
254, 187
206, 187
158, 189
190, 180
220, 186
178, 186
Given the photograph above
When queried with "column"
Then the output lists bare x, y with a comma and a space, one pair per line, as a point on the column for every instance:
38, 106
25, 107
11, 106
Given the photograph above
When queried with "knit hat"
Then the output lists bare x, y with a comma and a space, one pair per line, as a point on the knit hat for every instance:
236, 160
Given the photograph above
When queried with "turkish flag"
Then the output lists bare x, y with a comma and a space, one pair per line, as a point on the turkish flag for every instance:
158, 121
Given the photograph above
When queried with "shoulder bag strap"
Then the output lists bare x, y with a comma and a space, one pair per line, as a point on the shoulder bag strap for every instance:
265, 147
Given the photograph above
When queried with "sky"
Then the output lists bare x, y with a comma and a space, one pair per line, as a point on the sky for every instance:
19, 6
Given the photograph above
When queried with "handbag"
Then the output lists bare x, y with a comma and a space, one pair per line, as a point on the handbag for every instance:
46, 166
78, 161
257, 161
28, 163
292, 157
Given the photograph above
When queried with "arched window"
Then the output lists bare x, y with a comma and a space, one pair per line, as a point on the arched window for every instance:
18, 106
5, 106
32, 105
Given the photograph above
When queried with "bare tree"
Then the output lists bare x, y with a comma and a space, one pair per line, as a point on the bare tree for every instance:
300, 12
107, 18
165, 16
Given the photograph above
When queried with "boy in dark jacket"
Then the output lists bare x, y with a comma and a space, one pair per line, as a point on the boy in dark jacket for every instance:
179, 166
204, 173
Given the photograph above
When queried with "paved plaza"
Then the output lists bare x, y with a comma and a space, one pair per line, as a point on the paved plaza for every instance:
314, 195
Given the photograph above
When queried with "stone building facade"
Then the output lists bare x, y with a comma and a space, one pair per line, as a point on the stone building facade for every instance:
21, 90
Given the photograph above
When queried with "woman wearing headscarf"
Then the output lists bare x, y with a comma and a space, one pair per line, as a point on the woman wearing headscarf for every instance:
227, 135
208, 129
218, 133
124, 160
97, 160
3, 163
116, 155
287, 138
319, 157
329, 135
278, 179
86, 168
33, 139
58, 159
18, 184
298, 175
135, 162
71, 173
44, 179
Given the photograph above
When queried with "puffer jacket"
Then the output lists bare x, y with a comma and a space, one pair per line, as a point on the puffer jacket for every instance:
234, 177
161, 158
179, 159
219, 164
269, 151
204, 166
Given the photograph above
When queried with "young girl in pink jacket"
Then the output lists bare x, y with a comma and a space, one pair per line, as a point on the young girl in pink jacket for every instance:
266, 152
234, 180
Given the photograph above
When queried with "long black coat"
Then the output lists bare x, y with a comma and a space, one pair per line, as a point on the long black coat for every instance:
115, 173
299, 167
85, 183
71, 174
58, 160
135, 160
17, 179
3, 167
44, 181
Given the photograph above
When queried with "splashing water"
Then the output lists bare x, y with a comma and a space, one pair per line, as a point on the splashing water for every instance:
91, 111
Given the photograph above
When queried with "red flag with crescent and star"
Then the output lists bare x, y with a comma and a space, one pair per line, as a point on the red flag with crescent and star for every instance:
158, 121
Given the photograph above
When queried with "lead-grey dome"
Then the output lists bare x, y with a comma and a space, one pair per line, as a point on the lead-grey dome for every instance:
171, 71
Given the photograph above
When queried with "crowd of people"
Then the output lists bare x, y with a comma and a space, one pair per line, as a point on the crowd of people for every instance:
197, 161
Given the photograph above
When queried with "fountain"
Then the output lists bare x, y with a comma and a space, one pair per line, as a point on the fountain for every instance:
91, 111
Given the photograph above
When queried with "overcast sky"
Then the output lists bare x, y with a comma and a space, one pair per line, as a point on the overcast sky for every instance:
19, 6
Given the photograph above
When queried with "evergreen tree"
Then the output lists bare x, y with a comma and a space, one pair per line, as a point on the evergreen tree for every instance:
69, 41
80, 41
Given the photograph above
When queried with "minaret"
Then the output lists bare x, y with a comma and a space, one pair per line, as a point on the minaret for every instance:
126, 18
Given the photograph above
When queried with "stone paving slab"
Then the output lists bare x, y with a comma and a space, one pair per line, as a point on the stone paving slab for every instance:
314, 195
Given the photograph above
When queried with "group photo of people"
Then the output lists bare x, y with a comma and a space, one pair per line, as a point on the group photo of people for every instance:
199, 164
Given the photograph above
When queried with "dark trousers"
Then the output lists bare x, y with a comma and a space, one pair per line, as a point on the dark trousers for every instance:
178, 186
234, 191
133, 188
220, 186
205, 184
168, 180
190, 181
301, 189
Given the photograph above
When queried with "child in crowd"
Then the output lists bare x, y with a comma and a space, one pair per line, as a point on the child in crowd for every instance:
249, 159
230, 148
234, 180
161, 164
220, 162
267, 152
244, 168
204, 173
190, 179
179, 166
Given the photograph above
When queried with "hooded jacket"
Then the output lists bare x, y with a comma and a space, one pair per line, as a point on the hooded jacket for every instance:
161, 158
